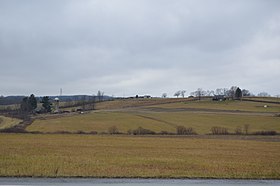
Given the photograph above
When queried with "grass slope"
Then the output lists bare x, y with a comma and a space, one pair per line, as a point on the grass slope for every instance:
165, 117
153, 157
224, 105
6, 122
202, 123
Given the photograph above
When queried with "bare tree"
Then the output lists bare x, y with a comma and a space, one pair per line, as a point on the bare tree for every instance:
93, 102
164, 95
177, 94
183, 93
199, 93
263, 94
238, 130
113, 130
209, 93
246, 92
232, 92
220, 91
246, 128
100, 95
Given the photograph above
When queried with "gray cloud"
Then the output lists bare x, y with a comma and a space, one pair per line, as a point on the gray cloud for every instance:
138, 47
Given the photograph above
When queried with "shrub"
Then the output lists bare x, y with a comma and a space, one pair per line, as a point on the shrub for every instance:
62, 132
80, 132
141, 131
238, 130
12, 130
93, 132
166, 133
181, 130
113, 130
246, 128
219, 131
130, 132
266, 132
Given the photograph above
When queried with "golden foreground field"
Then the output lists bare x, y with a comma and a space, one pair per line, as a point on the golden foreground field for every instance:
53, 155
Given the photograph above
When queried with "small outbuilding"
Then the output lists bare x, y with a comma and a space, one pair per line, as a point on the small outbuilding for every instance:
219, 98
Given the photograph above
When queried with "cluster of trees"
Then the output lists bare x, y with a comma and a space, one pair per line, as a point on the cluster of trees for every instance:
180, 93
182, 130
233, 92
29, 104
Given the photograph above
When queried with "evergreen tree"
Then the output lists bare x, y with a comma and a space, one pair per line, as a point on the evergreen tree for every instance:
24, 106
46, 104
238, 93
28, 104
32, 101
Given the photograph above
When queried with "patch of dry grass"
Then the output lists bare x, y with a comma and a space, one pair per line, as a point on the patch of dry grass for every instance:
98, 121
6, 122
155, 121
153, 157
224, 105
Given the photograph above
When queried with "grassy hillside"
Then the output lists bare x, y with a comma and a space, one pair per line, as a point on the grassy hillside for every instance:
124, 121
153, 157
161, 115
6, 122
224, 105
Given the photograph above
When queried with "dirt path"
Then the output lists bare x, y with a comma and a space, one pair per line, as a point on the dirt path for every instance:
156, 119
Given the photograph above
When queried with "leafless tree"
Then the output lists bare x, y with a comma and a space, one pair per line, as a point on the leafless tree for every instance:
246, 92
263, 94
113, 130
246, 128
183, 93
238, 130
100, 95
209, 93
164, 95
199, 93
219, 91
232, 92
177, 94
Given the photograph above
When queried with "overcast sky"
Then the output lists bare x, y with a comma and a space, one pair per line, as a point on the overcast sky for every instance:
129, 47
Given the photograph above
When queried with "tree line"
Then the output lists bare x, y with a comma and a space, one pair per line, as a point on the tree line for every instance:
234, 92
30, 104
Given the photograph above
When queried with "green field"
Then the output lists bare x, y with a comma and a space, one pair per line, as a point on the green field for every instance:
122, 156
199, 115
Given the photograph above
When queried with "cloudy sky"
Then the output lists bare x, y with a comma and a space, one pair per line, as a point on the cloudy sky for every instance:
126, 47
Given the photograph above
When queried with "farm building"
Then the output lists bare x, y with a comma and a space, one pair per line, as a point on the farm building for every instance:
219, 98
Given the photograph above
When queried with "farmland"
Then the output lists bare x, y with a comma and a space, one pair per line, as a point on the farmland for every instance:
82, 154
7, 122
53, 155
165, 116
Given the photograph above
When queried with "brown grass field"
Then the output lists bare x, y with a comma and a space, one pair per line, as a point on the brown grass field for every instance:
52, 155
156, 121
165, 116
125, 156
6, 122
